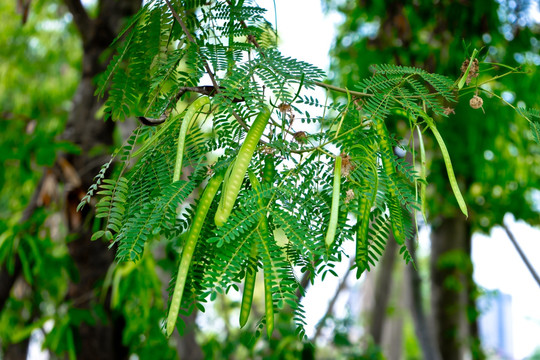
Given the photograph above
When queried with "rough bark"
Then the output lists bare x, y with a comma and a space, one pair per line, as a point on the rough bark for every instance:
450, 266
422, 326
18, 351
101, 340
7, 280
383, 286
188, 347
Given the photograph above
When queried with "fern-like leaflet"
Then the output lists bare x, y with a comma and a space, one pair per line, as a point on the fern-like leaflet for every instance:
226, 50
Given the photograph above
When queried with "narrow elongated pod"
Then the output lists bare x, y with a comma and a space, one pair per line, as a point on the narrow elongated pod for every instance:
268, 176
364, 208
189, 118
334, 210
448, 163
269, 169
249, 287
189, 248
251, 271
386, 155
268, 305
237, 170
422, 173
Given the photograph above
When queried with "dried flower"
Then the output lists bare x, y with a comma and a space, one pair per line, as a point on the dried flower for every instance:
473, 71
300, 137
448, 110
476, 102
283, 107
346, 165
267, 150
349, 195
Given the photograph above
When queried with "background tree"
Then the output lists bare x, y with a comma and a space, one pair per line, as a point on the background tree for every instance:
148, 77
47, 65
490, 166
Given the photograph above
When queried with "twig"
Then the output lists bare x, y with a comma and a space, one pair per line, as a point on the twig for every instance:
330, 309
80, 17
208, 90
521, 254
253, 40
342, 90
192, 40
206, 66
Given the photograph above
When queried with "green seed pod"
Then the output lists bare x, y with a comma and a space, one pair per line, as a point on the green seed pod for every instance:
386, 155
189, 118
334, 212
189, 248
237, 170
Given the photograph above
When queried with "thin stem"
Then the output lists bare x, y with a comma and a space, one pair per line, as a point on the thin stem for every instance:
192, 40
253, 40
502, 65
506, 102
342, 90
493, 79
342, 286
207, 67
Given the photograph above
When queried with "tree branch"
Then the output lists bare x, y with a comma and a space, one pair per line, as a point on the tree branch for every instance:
341, 287
522, 254
80, 17
205, 64
7, 280
192, 40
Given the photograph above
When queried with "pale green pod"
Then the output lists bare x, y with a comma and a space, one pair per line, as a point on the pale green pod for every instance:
236, 173
189, 248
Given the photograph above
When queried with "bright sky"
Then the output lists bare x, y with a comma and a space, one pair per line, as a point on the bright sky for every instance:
306, 34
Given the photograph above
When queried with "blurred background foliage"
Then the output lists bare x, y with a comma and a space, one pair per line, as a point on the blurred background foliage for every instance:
491, 149
494, 157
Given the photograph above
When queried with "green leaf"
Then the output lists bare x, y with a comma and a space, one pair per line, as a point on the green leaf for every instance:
97, 235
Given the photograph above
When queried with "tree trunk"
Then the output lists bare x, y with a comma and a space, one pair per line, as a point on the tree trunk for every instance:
383, 286
18, 351
450, 276
422, 326
103, 339
188, 347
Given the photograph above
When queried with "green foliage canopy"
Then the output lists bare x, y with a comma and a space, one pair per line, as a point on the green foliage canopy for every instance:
165, 53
